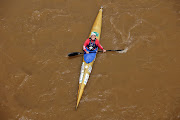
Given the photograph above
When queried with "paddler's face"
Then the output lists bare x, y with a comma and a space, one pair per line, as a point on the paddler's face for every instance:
93, 37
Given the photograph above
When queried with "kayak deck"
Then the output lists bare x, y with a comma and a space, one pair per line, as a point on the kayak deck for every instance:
88, 59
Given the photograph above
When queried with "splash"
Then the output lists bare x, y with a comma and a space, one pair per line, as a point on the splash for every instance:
124, 51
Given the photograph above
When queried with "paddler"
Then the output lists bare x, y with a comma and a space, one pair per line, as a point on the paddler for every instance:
92, 44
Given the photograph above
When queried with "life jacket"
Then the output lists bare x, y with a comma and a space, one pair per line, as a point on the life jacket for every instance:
92, 45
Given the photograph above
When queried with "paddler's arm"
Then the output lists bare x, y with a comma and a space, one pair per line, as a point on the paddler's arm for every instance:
84, 46
100, 46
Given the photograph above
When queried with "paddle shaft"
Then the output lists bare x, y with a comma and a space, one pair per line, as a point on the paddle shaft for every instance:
102, 51
78, 53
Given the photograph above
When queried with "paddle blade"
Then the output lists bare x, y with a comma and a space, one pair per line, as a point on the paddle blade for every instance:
74, 54
119, 50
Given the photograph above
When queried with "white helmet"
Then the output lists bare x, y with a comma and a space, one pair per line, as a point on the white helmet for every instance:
92, 33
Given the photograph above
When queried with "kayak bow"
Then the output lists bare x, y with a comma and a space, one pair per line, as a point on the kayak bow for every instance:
88, 59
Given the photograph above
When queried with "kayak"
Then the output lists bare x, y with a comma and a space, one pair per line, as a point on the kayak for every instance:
88, 59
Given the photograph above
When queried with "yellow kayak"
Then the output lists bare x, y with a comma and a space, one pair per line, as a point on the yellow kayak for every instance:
88, 59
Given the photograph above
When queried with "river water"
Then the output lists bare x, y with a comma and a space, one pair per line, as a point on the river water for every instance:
39, 82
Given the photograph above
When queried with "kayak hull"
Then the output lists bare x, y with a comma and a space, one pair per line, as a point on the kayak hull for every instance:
88, 59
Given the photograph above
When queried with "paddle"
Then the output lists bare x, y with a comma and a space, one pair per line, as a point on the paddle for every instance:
78, 53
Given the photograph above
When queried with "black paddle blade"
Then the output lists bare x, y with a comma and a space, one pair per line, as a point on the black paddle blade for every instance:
74, 54
119, 50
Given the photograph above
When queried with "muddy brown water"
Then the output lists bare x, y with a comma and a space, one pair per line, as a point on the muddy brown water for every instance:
39, 82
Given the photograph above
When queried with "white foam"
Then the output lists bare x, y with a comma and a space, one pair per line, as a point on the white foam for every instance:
124, 51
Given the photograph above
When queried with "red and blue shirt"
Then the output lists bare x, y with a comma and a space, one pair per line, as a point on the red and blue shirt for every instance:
86, 43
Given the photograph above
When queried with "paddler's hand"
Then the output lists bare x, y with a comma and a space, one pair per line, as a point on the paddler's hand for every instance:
87, 52
104, 50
